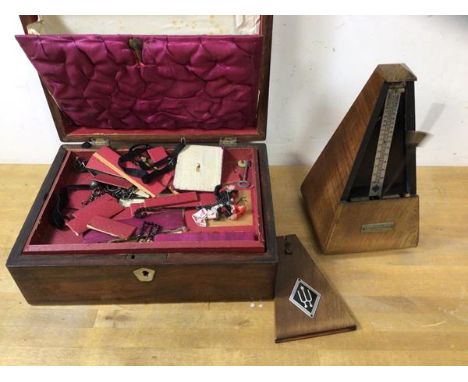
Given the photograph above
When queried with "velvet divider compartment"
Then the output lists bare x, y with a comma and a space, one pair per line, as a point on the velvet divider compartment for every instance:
244, 235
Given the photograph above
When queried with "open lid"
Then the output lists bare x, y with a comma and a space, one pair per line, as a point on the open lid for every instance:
153, 78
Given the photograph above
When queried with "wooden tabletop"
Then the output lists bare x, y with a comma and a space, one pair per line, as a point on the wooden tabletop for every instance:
411, 305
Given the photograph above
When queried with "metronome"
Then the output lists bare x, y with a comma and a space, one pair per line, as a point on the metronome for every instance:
361, 192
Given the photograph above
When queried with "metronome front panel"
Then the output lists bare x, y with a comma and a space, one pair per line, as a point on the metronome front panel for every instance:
375, 225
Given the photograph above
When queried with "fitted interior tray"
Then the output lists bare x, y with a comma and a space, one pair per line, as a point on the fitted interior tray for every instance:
247, 235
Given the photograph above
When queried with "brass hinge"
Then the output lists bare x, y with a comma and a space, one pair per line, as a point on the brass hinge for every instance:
99, 141
227, 141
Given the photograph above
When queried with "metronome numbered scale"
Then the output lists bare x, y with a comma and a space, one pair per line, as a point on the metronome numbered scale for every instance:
361, 192
387, 128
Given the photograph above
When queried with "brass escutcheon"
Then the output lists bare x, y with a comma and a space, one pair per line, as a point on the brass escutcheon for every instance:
144, 275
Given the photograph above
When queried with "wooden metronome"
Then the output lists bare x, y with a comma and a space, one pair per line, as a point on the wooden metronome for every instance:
361, 192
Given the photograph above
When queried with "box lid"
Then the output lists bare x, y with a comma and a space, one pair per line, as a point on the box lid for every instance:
200, 80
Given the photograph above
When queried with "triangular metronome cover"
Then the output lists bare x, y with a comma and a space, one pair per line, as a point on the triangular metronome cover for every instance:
306, 305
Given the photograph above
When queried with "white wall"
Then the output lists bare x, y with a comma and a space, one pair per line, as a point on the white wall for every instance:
319, 65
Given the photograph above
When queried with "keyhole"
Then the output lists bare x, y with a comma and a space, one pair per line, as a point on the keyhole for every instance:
144, 275
198, 167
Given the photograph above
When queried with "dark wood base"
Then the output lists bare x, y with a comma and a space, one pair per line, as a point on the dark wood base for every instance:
119, 285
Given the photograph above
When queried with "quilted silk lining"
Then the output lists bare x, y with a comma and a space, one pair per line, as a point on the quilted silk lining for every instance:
201, 82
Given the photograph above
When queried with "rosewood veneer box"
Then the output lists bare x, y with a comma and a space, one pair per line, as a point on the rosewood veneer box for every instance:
202, 79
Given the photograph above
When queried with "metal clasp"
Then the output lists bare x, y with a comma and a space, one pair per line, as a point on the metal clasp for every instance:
228, 141
136, 45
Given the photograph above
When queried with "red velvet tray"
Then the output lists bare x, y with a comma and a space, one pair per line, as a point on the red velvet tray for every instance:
45, 238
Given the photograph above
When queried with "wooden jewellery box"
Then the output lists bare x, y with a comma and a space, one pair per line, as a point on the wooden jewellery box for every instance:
119, 81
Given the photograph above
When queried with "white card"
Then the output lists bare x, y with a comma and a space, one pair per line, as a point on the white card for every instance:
198, 168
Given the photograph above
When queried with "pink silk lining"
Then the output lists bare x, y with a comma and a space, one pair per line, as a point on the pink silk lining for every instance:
200, 82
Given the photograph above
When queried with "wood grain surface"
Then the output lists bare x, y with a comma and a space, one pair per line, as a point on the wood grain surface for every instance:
411, 305
347, 236
331, 315
326, 181
330, 179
